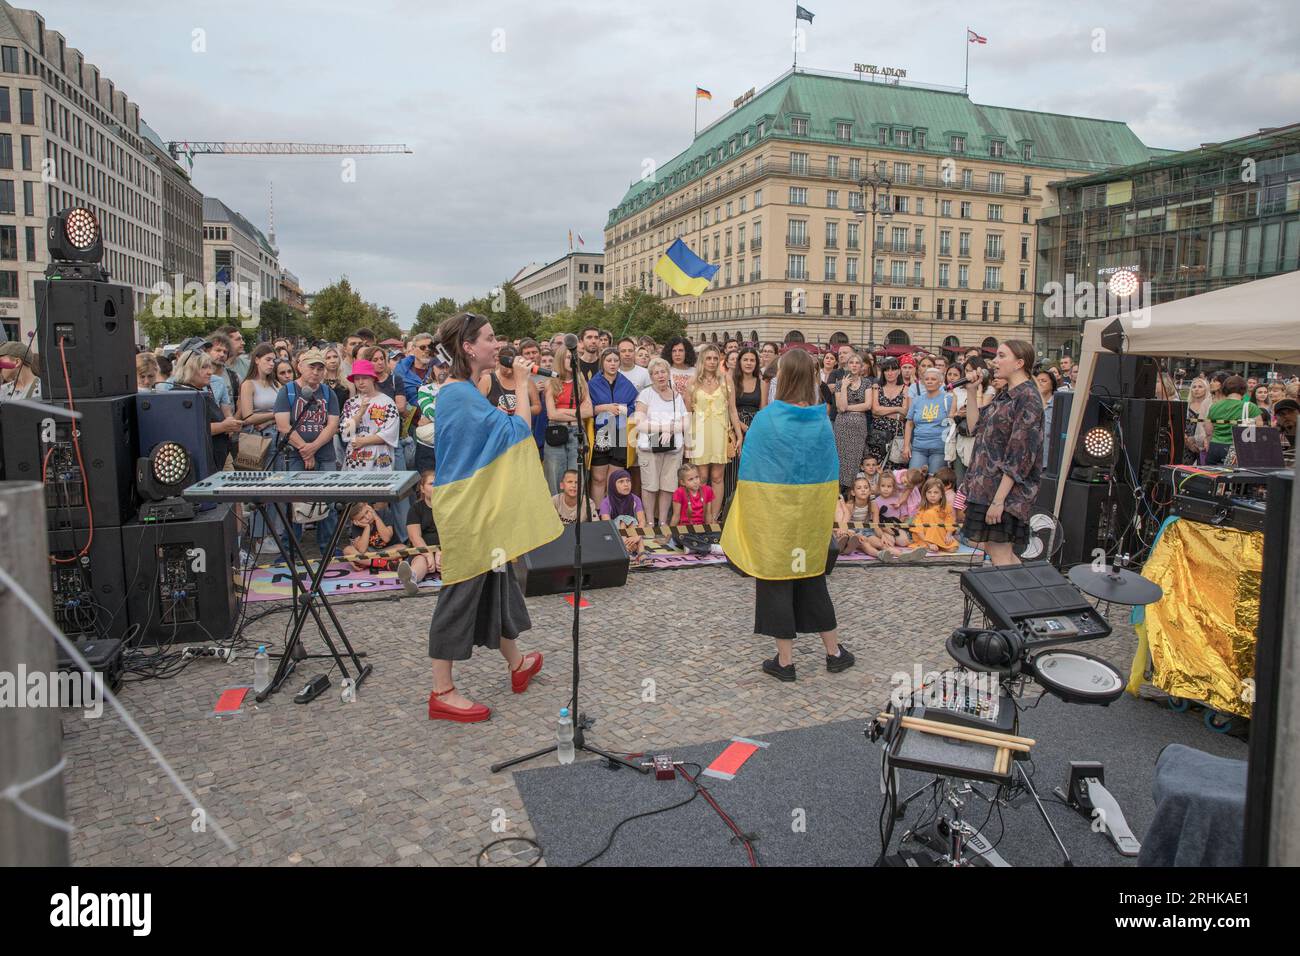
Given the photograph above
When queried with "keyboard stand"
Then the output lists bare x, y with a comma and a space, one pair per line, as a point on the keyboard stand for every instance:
306, 605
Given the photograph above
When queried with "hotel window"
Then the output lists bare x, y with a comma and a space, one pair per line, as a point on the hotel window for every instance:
728, 210
851, 269
1020, 313
880, 235
30, 235
5, 115
963, 244
897, 271
851, 239
1026, 152
29, 198
901, 203
920, 139
832, 234
746, 137
967, 179
798, 195
945, 207
902, 137
830, 268
1024, 214
761, 127
799, 126
855, 200
945, 242
10, 59
799, 164
833, 199
704, 218
839, 303
963, 277
27, 108
1024, 280
898, 238
744, 204
997, 149
6, 151
855, 168
704, 248
795, 266
995, 182
7, 197
1024, 248
832, 165
963, 310
992, 277
943, 275
826, 303
957, 144
844, 131
853, 304
900, 172
798, 232
984, 310
9, 242
995, 212
758, 268
920, 205
882, 136
758, 198
728, 273
965, 210
898, 302
740, 238
997, 311
916, 273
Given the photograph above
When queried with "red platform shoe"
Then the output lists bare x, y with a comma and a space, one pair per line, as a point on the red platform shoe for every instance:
520, 676
463, 715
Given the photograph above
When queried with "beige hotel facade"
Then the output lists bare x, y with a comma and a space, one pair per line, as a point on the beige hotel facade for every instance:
770, 193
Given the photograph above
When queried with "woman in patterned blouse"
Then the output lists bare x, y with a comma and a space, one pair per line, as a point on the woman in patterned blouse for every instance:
1006, 464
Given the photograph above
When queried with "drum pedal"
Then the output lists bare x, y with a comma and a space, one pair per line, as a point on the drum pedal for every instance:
1086, 792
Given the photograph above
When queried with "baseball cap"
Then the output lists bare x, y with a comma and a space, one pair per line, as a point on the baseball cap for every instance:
312, 357
1286, 405
12, 354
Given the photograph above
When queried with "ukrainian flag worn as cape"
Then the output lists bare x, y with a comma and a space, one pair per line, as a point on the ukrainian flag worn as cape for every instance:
490, 498
779, 525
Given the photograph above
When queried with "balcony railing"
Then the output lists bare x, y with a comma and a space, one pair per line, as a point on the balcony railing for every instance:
796, 242
755, 245
798, 276
755, 277
832, 244
851, 245
993, 287
916, 283
995, 255
963, 252
945, 251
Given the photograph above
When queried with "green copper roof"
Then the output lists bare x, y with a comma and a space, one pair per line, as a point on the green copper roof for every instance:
1056, 141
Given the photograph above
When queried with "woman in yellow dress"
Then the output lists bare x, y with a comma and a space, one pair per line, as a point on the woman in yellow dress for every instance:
709, 402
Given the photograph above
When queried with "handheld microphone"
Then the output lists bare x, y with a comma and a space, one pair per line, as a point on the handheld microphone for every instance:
537, 369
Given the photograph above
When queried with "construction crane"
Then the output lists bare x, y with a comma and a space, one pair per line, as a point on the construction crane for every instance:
190, 149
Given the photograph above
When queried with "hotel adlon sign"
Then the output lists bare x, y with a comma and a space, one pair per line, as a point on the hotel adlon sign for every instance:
879, 70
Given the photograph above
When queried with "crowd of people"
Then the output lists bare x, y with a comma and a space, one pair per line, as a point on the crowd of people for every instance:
663, 425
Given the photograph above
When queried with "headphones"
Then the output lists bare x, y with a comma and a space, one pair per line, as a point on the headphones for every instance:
990, 648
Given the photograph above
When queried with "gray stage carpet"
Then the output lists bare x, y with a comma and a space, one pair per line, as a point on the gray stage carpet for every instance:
828, 777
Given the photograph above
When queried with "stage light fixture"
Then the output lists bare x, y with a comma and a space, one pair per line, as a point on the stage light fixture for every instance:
1096, 449
74, 236
160, 477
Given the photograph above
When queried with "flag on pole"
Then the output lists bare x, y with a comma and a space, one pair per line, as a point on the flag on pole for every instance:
580, 242
684, 271
702, 94
801, 14
973, 37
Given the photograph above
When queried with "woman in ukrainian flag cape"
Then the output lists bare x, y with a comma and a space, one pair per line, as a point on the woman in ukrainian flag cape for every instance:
491, 504
779, 527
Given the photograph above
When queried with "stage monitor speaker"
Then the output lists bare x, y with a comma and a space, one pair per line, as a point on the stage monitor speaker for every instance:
1154, 435
179, 576
1269, 753
549, 569
1061, 404
1092, 519
179, 415
38, 446
1123, 376
96, 322
89, 590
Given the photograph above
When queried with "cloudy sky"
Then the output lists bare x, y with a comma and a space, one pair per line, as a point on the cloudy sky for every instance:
529, 118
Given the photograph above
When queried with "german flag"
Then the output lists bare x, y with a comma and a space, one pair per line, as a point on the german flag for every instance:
702, 94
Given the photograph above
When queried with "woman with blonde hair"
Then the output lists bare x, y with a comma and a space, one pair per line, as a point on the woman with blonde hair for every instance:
193, 371
708, 399
566, 402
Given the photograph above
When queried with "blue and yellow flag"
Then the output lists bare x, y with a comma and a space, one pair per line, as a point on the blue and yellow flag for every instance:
490, 498
779, 525
684, 271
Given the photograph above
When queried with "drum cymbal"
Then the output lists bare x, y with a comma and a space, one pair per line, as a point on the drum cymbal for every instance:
1115, 585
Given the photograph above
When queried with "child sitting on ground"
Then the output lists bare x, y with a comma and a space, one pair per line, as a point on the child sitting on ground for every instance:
871, 469
886, 521
949, 479
367, 532
856, 508
625, 509
422, 532
690, 501
934, 522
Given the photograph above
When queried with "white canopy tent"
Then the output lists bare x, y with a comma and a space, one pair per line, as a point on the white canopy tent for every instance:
1252, 322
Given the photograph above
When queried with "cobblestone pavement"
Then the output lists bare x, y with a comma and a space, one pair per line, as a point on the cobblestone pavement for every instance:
376, 782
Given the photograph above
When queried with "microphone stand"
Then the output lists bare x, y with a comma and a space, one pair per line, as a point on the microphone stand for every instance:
581, 722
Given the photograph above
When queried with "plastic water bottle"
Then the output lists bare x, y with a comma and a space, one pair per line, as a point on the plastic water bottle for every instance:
261, 670
564, 737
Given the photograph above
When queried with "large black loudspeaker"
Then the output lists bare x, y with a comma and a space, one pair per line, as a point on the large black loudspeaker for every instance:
1061, 404
1154, 435
1271, 673
96, 323
180, 586
89, 590
549, 569
38, 446
180, 415
1091, 519
1128, 376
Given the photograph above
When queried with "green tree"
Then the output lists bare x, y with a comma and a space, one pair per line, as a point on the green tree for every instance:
278, 320
383, 322
338, 310
429, 317
170, 319
511, 317
637, 313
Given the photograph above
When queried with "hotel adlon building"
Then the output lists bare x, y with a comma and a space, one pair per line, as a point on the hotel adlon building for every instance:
772, 194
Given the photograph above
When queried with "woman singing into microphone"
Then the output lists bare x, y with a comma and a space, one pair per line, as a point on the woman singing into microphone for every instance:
779, 527
491, 504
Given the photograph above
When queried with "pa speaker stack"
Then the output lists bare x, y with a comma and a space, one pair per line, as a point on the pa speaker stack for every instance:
113, 576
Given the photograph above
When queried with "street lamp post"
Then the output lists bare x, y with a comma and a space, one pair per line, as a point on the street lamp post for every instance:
881, 204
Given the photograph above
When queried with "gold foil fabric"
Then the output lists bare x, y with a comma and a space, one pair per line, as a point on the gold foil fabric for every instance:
1201, 634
